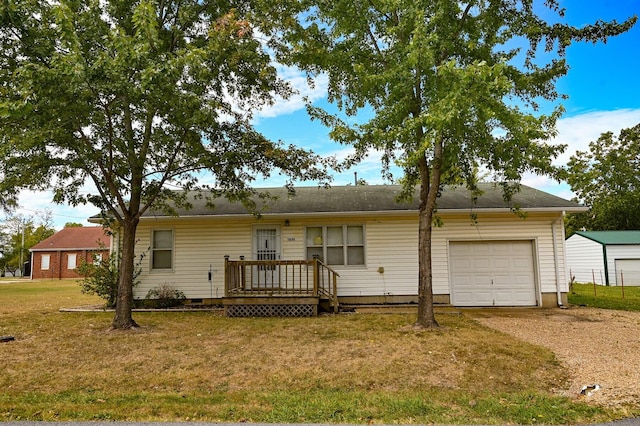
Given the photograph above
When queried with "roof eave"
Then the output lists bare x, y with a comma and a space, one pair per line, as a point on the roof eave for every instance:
70, 248
408, 212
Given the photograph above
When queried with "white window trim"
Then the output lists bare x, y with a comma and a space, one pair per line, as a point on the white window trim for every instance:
73, 256
152, 250
345, 244
42, 262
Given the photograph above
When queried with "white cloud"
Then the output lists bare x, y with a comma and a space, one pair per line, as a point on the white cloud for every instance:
32, 203
539, 182
577, 132
302, 89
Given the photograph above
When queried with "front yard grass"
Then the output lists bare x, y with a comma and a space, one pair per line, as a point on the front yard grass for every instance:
605, 297
200, 366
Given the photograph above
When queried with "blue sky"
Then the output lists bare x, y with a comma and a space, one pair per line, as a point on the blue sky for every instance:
603, 86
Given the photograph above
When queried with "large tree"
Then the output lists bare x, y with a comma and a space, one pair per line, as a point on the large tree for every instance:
116, 103
607, 179
452, 85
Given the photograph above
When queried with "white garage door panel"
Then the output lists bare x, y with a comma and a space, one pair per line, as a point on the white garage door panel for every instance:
462, 263
629, 270
481, 264
493, 273
501, 263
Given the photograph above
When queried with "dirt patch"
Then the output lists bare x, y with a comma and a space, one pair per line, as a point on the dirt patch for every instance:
597, 346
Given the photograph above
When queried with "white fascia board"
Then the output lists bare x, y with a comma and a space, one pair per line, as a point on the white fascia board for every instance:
372, 213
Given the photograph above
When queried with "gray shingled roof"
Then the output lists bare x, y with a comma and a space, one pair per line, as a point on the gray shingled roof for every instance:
378, 198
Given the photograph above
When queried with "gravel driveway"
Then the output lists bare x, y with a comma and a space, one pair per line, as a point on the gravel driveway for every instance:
597, 346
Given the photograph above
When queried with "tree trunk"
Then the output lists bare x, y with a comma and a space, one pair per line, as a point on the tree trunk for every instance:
429, 187
124, 301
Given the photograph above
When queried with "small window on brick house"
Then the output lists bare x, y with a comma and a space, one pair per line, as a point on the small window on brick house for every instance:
71, 261
44, 265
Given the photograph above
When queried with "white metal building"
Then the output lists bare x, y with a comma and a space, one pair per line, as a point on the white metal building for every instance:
605, 257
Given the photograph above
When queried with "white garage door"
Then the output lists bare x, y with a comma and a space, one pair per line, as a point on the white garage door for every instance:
492, 273
629, 270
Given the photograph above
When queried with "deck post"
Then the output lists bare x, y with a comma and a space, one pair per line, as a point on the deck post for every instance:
241, 274
316, 272
335, 294
226, 275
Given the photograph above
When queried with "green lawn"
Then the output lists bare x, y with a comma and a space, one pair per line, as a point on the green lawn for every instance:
201, 366
605, 297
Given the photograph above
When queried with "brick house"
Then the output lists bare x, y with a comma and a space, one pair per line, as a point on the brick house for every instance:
59, 255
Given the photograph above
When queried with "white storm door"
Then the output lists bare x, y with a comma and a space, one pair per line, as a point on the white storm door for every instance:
266, 246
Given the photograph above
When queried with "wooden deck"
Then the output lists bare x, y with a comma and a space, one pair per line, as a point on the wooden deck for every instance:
278, 287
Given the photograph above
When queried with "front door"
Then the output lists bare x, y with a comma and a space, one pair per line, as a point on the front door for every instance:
266, 246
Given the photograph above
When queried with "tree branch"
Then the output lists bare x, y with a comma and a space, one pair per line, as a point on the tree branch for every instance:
106, 173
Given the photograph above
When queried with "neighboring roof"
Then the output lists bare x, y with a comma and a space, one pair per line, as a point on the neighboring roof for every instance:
375, 198
612, 237
75, 238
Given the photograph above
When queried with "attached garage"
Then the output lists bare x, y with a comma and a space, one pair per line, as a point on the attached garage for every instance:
492, 273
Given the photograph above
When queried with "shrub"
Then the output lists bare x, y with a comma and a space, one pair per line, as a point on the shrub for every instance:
100, 278
164, 296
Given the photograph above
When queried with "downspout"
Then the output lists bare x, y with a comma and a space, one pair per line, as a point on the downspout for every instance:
555, 259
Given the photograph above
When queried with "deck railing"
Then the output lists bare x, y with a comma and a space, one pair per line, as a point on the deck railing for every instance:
280, 278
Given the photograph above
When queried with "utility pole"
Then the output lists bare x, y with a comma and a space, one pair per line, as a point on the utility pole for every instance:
21, 248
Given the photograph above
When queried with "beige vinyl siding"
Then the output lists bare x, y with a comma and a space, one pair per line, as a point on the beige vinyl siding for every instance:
535, 228
398, 260
390, 243
197, 245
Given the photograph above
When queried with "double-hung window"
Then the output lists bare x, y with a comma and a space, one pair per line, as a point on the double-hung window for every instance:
336, 245
46, 260
162, 249
71, 261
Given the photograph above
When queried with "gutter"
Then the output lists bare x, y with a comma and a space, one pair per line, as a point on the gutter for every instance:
68, 249
358, 213
555, 259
